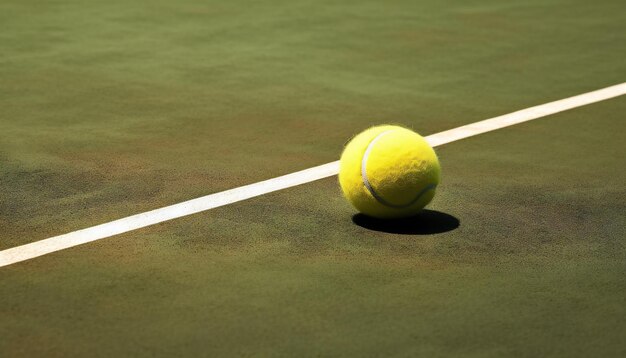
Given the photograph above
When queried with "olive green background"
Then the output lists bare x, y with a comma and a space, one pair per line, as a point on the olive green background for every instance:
111, 108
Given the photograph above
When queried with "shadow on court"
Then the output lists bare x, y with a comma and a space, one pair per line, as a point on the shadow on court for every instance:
427, 222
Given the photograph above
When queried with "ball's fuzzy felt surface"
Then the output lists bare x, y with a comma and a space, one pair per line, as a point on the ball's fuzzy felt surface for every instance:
389, 171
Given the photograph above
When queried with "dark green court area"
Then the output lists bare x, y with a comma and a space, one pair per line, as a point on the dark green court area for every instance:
112, 108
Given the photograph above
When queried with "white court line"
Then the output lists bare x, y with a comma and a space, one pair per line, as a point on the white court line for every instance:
57, 243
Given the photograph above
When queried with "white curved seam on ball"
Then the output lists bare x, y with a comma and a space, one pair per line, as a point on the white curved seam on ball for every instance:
368, 185
428, 188
366, 155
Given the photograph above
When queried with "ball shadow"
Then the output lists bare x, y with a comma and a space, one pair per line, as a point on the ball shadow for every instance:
427, 222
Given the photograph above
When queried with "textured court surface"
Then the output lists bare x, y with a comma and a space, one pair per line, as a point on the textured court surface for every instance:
110, 109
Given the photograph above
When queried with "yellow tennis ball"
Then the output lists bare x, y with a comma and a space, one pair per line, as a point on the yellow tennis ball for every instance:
389, 172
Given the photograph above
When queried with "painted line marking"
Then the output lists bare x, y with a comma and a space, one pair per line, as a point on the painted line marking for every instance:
134, 222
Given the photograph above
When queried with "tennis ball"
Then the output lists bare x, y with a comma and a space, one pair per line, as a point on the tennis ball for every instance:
389, 172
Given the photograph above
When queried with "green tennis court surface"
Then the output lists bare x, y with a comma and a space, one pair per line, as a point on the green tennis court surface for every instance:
109, 109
